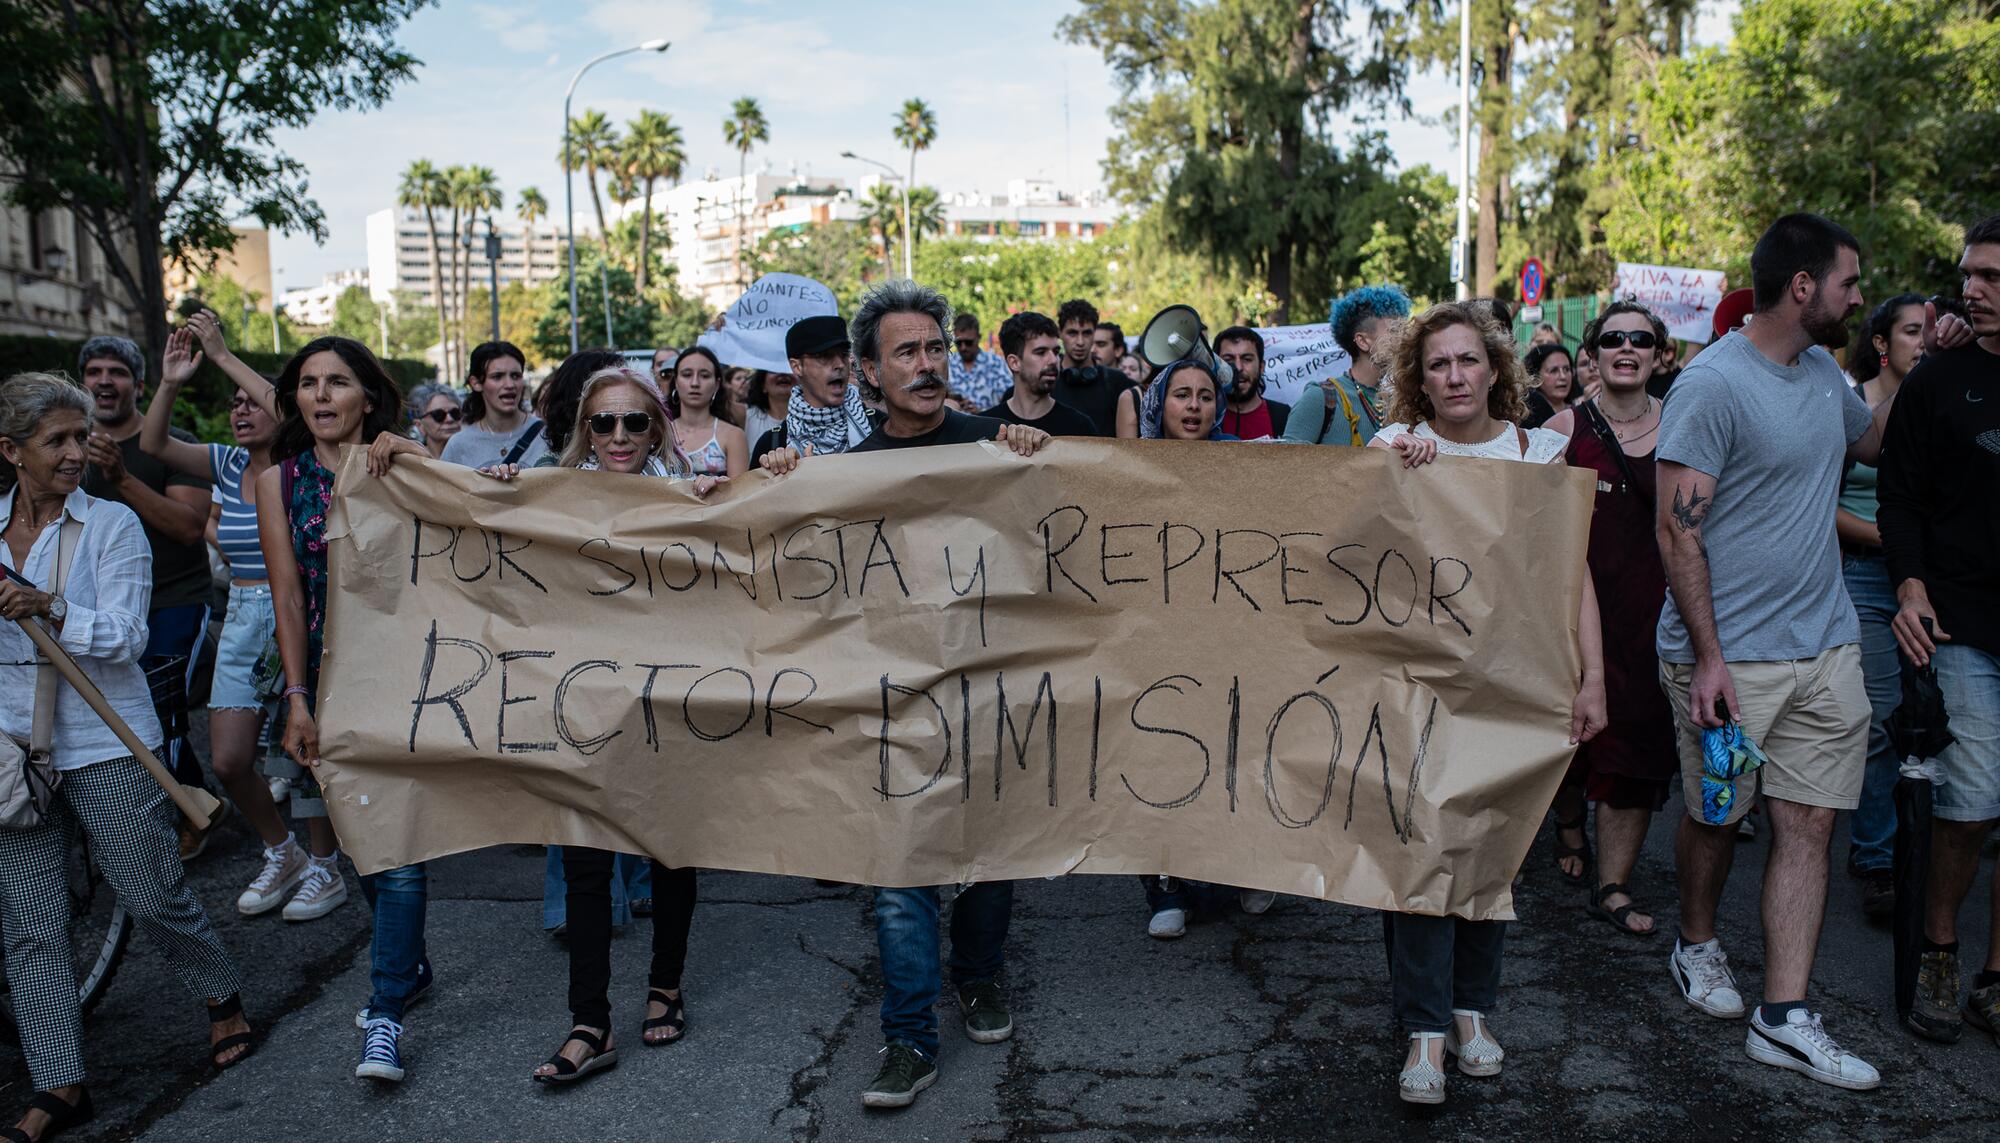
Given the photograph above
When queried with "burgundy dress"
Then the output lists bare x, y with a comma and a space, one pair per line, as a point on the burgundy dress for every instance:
1631, 583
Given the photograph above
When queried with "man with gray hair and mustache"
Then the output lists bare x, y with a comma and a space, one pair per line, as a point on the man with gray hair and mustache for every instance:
902, 350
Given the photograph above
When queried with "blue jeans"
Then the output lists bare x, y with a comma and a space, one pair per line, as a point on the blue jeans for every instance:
398, 897
1871, 829
906, 932
1437, 964
631, 878
1970, 680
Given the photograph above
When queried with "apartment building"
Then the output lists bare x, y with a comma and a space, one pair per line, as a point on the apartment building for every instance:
399, 254
53, 280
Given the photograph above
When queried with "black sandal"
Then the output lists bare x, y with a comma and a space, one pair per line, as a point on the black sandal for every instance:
229, 1009
62, 1114
1616, 918
1565, 851
598, 1060
676, 1018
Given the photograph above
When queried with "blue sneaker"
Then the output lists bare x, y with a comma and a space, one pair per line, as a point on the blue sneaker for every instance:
381, 1052
424, 980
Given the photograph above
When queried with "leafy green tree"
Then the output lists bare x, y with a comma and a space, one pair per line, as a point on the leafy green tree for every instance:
244, 325
154, 120
474, 190
1221, 120
997, 278
838, 255
634, 315
1868, 113
744, 128
653, 150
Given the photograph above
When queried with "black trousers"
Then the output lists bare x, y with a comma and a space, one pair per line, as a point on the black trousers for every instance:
588, 900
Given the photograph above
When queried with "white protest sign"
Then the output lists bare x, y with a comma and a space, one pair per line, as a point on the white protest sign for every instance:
1296, 356
1683, 298
753, 329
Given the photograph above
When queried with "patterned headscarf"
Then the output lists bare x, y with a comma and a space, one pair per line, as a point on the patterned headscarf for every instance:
1153, 410
826, 430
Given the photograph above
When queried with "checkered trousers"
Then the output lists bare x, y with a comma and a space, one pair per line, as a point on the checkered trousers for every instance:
130, 823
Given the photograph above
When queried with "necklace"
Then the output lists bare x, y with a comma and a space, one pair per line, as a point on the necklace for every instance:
1636, 436
1643, 414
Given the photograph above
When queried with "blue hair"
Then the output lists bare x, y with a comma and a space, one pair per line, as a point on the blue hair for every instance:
1348, 312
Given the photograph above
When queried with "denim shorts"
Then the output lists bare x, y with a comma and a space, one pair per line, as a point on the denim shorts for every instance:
1970, 680
246, 627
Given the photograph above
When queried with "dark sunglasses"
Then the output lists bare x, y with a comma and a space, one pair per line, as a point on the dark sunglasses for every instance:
604, 424
1640, 339
445, 416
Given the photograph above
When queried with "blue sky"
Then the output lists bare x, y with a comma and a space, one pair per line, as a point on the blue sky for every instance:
829, 75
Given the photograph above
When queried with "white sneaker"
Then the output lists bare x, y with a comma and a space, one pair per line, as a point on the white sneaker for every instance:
1802, 1045
322, 891
1702, 973
1167, 925
1255, 902
284, 865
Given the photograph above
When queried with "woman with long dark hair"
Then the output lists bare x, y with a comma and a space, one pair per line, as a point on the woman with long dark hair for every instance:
702, 427
498, 427
1886, 347
331, 394
769, 396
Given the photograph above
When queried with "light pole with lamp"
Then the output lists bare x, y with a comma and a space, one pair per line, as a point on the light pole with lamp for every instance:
569, 184
908, 234
277, 344
493, 272
1461, 256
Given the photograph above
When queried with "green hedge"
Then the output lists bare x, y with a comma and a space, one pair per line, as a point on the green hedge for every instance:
204, 407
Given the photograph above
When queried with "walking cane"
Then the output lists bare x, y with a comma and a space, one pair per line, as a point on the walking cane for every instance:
199, 806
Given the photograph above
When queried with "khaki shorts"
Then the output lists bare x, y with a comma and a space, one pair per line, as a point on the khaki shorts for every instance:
1811, 717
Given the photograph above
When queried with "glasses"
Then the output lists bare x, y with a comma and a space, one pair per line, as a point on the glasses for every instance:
967, 343
664, 368
445, 416
604, 424
1640, 339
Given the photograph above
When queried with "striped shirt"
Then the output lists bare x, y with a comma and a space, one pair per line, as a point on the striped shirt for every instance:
236, 531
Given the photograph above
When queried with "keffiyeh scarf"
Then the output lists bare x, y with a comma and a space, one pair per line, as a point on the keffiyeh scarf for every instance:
828, 431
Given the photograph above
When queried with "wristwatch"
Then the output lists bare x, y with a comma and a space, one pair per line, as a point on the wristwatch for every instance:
58, 610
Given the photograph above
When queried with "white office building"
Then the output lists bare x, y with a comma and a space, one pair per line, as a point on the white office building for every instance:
314, 305
399, 254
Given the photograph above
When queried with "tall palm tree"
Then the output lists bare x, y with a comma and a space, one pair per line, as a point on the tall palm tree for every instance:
452, 194
882, 211
653, 150
593, 147
916, 130
422, 186
926, 215
482, 193
744, 129
530, 209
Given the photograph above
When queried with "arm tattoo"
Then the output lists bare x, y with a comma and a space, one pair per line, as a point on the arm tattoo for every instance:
1690, 509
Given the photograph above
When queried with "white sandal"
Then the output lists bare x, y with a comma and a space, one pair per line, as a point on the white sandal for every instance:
1422, 1082
1479, 1056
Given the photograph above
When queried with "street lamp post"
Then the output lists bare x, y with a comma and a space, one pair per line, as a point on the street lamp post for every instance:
569, 179
909, 236
277, 344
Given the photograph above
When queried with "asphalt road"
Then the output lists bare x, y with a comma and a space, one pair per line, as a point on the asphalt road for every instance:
1272, 1027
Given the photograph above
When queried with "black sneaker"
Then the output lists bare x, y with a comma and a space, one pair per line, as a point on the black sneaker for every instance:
985, 1008
905, 1072
1878, 894
1934, 1015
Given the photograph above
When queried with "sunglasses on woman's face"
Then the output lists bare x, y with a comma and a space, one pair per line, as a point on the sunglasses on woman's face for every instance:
1640, 339
604, 424
445, 416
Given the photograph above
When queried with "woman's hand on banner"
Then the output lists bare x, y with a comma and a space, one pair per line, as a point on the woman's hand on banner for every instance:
1590, 713
382, 454
501, 471
705, 484
302, 736
1415, 450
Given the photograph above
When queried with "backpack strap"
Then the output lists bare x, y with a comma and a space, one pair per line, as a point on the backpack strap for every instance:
1333, 389
522, 442
1601, 428
42, 733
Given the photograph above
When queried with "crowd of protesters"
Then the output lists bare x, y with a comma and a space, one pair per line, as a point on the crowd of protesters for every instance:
1772, 540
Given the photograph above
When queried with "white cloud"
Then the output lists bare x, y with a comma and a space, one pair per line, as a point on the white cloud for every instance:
515, 31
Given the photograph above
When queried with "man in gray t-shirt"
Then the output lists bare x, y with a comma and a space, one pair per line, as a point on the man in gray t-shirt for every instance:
1758, 628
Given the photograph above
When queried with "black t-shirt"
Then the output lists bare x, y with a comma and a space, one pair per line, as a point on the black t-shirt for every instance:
956, 428
180, 571
1938, 487
1661, 381
1059, 421
1093, 391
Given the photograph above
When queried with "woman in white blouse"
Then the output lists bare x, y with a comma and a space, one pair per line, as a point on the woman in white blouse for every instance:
1461, 392
100, 619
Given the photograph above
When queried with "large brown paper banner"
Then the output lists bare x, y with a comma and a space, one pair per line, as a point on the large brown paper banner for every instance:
1297, 669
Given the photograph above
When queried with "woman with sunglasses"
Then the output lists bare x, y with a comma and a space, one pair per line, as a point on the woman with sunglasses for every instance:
622, 426
237, 707
1458, 392
702, 428
438, 416
1629, 769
